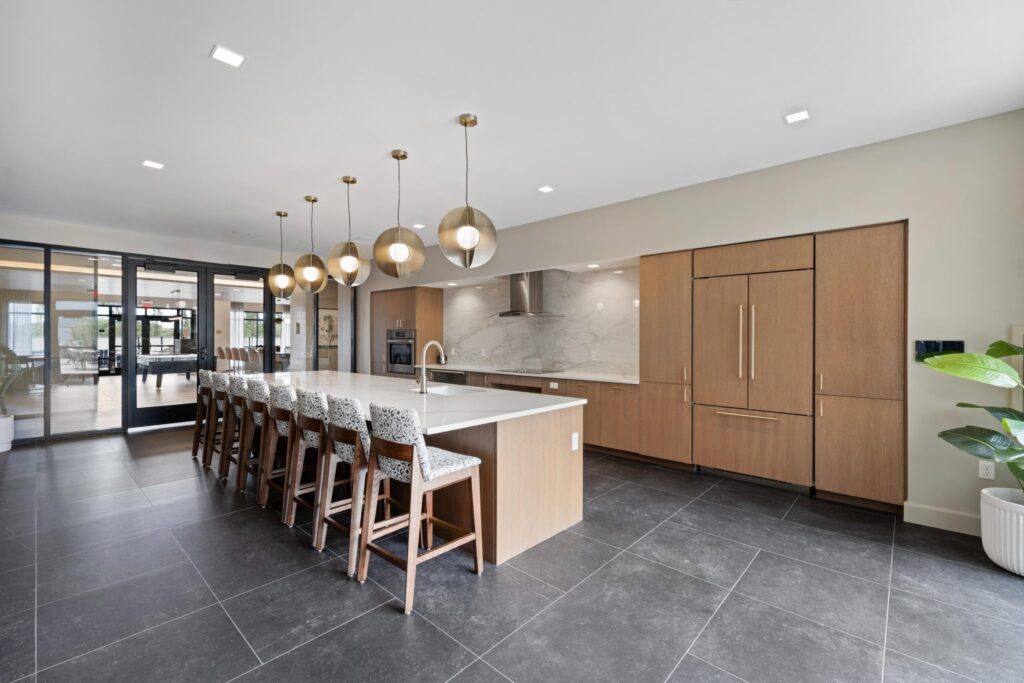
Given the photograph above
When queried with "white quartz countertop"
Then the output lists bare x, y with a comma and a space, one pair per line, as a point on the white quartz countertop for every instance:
579, 375
439, 412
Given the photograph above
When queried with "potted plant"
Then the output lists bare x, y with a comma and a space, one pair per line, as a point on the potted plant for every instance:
1002, 509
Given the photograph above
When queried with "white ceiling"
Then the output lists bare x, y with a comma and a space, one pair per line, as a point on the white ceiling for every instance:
604, 101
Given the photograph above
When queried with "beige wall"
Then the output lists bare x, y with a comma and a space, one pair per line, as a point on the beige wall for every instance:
962, 189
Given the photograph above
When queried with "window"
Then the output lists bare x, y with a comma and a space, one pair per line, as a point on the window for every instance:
252, 329
25, 328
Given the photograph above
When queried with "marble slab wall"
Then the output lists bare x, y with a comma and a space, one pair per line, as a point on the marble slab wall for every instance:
598, 330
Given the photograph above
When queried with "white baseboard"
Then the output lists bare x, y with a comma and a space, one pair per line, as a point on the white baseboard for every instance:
951, 520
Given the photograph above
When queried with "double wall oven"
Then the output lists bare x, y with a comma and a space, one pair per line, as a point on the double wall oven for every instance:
402, 351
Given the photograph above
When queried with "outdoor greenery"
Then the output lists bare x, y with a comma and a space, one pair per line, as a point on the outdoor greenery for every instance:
982, 442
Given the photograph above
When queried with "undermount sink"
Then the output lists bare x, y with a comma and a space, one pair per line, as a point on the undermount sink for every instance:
449, 390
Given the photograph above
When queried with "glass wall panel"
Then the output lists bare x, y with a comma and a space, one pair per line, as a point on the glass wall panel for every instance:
85, 342
165, 341
22, 341
238, 323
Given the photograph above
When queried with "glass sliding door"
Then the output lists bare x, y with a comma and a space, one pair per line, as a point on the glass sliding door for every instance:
23, 339
239, 329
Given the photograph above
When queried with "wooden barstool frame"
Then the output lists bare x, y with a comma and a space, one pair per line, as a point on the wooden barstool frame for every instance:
418, 487
294, 489
268, 476
248, 462
203, 399
230, 434
213, 415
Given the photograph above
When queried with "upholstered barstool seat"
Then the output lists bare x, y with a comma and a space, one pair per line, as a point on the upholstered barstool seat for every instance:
234, 416
279, 419
310, 419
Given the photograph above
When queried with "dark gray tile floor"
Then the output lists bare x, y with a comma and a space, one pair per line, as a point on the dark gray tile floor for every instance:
121, 559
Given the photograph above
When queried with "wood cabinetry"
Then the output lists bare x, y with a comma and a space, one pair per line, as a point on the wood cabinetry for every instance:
719, 341
416, 308
591, 412
859, 447
770, 445
665, 317
618, 412
787, 253
666, 420
860, 335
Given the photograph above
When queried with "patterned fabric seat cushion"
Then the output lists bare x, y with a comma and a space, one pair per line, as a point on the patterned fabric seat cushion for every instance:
206, 380
282, 396
311, 404
257, 390
237, 387
402, 425
221, 384
348, 413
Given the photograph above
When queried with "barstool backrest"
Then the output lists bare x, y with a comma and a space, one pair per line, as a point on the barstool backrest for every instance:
221, 382
401, 425
347, 413
237, 387
205, 378
282, 396
312, 405
258, 394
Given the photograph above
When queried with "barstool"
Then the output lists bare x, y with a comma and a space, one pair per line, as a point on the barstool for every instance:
310, 415
280, 420
257, 396
216, 411
347, 441
234, 417
202, 410
398, 450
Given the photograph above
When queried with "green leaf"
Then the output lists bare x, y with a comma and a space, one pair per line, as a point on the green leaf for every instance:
998, 412
983, 443
1001, 349
1015, 427
976, 367
1017, 470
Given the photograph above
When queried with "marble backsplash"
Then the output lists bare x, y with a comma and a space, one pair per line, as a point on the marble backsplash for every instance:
598, 332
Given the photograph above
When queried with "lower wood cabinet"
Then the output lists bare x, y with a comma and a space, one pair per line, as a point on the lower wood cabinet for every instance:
859, 447
666, 421
769, 445
591, 417
618, 410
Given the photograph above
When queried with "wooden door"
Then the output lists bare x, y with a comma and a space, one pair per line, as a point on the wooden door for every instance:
666, 312
405, 308
860, 338
665, 421
591, 416
719, 341
769, 445
781, 341
859, 448
619, 412
765, 256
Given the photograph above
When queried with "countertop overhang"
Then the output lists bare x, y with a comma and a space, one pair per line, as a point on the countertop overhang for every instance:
578, 375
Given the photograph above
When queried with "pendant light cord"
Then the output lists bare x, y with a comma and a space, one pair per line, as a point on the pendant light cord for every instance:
398, 217
312, 205
465, 130
348, 200
280, 228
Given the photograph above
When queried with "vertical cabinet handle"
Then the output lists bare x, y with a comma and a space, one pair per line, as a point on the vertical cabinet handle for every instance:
686, 395
753, 328
741, 343
821, 381
685, 368
821, 408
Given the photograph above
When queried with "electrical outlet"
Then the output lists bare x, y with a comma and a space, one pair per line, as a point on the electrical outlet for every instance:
575, 441
552, 385
986, 469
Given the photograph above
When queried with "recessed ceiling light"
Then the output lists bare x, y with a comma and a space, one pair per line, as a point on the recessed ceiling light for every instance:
593, 265
798, 116
617, 272
453, 284
418, 226
545, 189
153, 164
222, 54
479, 287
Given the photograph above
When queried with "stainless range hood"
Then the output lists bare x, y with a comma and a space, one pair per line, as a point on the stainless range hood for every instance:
526, 295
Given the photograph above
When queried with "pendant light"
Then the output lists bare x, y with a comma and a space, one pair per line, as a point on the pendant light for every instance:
310, 273
346, 261
399, 251
466, 235
281, 280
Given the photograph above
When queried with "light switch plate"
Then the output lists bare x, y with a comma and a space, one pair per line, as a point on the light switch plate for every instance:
986, 469
552, 385
575, 441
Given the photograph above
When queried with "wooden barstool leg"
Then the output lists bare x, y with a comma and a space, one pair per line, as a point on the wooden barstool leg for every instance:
369, 519
326, 472
478, 548
428, 526
227, 440
268, 446
246, 432
211, 431
355, 526
412, 552
198, 429
293, 479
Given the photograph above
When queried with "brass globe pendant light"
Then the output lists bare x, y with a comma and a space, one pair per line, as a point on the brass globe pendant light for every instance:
346, 262
310, 273
281, 279
399, 251
466, 235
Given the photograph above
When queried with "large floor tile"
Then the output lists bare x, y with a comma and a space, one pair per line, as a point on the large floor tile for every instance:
17, 520
835, 551
900, 668
752, 497
17, 552
477, 610
843, 602
75, 625
688, 550
90, 510
151, 469
17, 645
390, 645
622, 516
948, 545
480, 672
595, 484
989, 591
844, 519
68, 575
248, 549
95, 480
693, 670
203, 646
632, 620
17, 590
758, 642
564, 560
661, 478
299, 607
181, 489
964, 642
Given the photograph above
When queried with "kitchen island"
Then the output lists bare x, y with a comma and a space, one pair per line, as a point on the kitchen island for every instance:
531, 476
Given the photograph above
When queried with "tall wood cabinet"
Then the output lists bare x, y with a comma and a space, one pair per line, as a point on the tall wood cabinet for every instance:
415, 308
860, 350
666, 324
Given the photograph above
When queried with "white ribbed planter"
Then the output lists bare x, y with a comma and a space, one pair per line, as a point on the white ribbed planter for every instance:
6, 432
1002, 527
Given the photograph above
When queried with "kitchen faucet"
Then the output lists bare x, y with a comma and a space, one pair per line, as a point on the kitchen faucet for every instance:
423, 363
